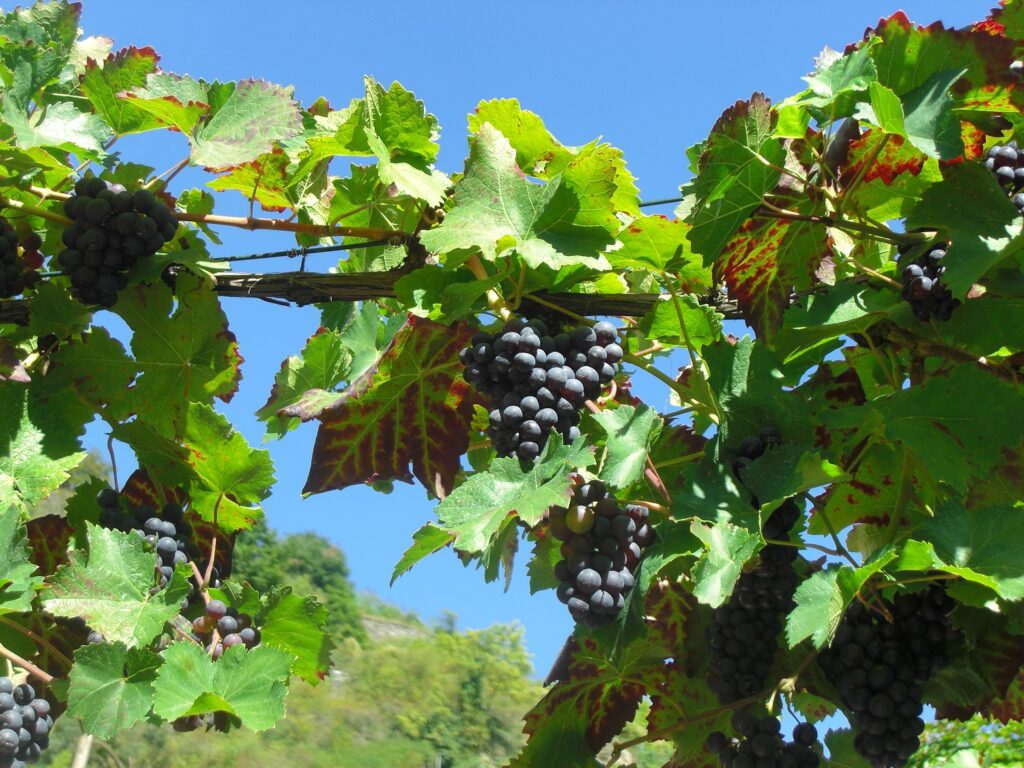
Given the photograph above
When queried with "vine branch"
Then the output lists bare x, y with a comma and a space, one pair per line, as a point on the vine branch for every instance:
27, 665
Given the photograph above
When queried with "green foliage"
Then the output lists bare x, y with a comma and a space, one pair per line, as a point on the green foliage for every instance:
902, 436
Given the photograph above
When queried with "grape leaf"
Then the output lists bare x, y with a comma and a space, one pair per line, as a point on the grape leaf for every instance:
924, 116
61, 125
822, 599
230, 475
426, 541
836, 85
702, 324
35, 45
412, 406
734, 174
295, 625
974, 214
306, 382
480, 509
682, 698
249, 684
108, 586
726, 549
767, 260
118, 72
541, 568
183, 356
265, 179
981, 545
629, 433
17, 584
567, 221
111, 687
786, 471
659, 244
37, 451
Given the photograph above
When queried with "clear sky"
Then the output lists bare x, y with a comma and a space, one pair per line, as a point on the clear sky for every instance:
650, 77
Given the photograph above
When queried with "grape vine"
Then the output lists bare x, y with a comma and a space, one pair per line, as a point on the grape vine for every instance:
858, 560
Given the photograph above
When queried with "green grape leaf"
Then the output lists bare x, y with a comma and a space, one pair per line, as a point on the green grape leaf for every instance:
35, 46
708, 490
969, 209
841, 751
426, 541
410, 407
567, 221
480, 509
541, 568
786, 471
306, 382
61, 125
960, 444
37, 449
683, 698
103, 81
726, 548
822, 599
108, 586
734, 174
111, 687
659, 244
670, 317
629, 434
980, 545
835, 86
17, 583
295, 625
230, 476
249, 684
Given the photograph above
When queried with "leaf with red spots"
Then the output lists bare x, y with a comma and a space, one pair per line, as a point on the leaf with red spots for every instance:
265, 179
119, 72
767, 261
659, 244
587, 708
48, 539
907, 56
410, 408
998, 659
869, 495
736, 171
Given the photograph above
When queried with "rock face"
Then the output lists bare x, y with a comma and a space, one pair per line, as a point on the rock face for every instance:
385, 629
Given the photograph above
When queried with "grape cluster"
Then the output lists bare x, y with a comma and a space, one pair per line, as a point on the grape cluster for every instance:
112, 230
743, 634
879, 667
231, 628
14, 277
1006, 163
601, 545
760, 744
537, 382
25, 724
923, 288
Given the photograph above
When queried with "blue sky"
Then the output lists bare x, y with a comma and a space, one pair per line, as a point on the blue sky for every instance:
649, 78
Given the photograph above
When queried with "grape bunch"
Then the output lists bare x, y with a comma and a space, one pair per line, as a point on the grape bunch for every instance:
760, 744
231, 627
112, 230
923, 288
601, 545
743, 634
166, 531
25, 724
538, 382
14, 274
879, 668
1006, 163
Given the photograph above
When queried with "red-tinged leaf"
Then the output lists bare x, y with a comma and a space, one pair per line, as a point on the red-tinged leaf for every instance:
678, 699
765, 262
120, 72
909, 55
1010, 706
670, 606
265, 179
896, 158
411, 407
48, 539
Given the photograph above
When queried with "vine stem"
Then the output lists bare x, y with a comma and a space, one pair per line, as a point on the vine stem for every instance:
651, 505
27, 665
681, 459
33, 210
875, 152
873, 273
213, 542
494, 299
167, 175
555, 307
802, 545
38, 639
926, 579
280, 225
